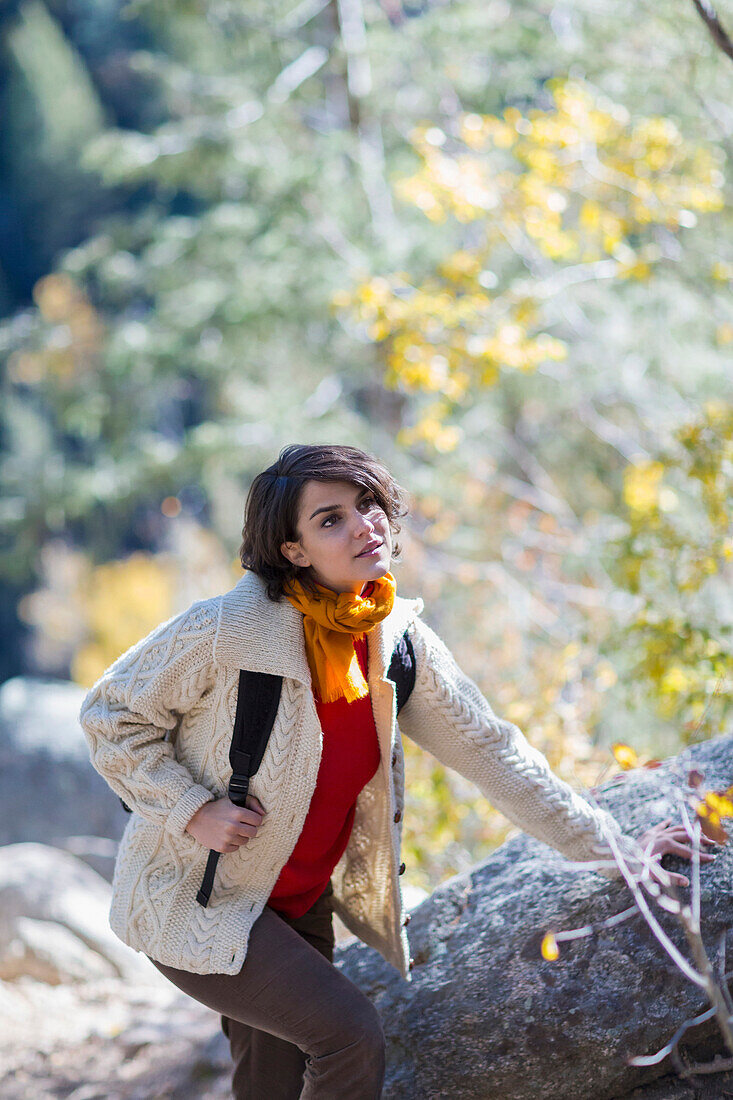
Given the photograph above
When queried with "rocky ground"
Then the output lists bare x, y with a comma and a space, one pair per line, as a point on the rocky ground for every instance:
81, 1015
131, 1038
109, 1040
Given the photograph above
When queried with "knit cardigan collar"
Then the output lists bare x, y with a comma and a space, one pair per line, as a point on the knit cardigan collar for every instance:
258, 634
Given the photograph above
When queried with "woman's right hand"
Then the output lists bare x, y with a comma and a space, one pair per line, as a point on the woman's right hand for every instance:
224, 827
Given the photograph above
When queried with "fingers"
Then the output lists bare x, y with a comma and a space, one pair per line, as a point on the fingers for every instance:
246, 830
251, 803
678, 832
240, 826
674, 848
668, 878
663, 877
248, 817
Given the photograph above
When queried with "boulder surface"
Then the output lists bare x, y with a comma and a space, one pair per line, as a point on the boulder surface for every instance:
54, 923
484, 1015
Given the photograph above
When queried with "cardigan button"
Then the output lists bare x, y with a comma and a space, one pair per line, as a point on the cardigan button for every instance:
398, 816
406, 919
411, 964
402, 869
394, 759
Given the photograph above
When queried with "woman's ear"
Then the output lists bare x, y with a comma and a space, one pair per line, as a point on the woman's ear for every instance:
294, 553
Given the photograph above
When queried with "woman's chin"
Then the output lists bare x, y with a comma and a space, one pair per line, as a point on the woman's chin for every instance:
374, 573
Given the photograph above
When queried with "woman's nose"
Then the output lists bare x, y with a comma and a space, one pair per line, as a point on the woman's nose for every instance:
362, 524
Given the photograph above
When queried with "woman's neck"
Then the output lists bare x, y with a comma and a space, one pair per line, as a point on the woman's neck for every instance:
363, 587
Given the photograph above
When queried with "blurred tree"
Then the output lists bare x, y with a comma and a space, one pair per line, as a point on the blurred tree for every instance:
86, 615
50, 110
574, 193
169, 355
66, 72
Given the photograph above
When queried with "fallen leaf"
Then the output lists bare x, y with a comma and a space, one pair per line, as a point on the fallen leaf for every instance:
549, 948
624, 755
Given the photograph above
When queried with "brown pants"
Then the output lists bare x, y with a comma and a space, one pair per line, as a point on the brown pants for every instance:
296, 1026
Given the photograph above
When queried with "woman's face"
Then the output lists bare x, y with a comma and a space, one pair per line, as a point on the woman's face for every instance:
344, 536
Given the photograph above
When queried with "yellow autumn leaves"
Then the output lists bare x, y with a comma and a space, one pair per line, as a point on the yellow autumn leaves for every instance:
577, 183
676, 559
713, 808
89, 614
704, 452
642, 487
624, 755
121, 602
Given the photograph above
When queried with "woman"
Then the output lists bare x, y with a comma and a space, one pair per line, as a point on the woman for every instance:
321, 828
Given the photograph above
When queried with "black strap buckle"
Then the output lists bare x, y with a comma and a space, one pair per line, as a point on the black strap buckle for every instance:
238, 788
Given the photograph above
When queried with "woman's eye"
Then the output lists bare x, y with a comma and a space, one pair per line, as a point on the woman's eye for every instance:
366, 504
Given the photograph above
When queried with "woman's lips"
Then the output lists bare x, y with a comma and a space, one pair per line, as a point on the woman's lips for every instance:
370, 550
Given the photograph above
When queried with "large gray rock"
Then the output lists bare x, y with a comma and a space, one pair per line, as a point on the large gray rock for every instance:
486, 1017
54, 920
49, 792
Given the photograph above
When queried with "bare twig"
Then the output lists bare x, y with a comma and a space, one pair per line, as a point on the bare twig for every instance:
721, 1065
702, 973
607, 922
718, 33
633, 884
691, 926
352, 30
721, 974
654, 1059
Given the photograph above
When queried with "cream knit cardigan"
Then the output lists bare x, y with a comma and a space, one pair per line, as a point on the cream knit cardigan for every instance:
159, 725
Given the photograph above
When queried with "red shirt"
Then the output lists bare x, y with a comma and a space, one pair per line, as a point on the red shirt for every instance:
349, 760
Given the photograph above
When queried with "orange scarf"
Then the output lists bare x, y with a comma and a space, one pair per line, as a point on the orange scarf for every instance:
330, 620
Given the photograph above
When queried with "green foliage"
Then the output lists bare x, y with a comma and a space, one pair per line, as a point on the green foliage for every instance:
50, 111
675, 557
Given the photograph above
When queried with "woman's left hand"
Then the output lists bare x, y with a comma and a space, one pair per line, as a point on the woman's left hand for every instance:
673, 839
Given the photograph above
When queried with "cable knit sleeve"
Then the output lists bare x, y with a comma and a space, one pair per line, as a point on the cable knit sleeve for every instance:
127, 713
448, 715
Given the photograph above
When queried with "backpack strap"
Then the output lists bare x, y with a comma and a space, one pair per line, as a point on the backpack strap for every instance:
257, 701
258, 698
402, 670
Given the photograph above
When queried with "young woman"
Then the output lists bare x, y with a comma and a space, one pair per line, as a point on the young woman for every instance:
322, 825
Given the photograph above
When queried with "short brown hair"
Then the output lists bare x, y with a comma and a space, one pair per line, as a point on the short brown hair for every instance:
273, 502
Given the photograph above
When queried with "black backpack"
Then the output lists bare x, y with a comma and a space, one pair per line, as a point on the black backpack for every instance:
257, 702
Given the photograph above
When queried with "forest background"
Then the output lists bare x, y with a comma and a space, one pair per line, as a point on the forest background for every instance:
489, 241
